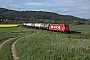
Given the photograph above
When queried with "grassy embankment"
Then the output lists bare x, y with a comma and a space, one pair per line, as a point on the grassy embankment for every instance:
55, 46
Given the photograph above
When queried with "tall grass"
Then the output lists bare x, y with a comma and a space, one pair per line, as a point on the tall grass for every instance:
5, 52
54, 46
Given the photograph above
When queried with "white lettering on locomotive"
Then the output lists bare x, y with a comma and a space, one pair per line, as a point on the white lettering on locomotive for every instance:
55, 26
51, 26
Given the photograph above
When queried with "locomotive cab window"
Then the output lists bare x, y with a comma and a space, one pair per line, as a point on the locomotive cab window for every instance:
62, 25
66, 26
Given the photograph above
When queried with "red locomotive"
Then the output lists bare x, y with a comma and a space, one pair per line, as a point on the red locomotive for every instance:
59, 27
52, 27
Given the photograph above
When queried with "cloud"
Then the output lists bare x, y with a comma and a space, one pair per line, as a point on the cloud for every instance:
64, 2
34, 3
82, 1
37, 3
5, 1
14, 5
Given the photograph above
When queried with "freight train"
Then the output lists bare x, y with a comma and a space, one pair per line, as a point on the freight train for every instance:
52, 27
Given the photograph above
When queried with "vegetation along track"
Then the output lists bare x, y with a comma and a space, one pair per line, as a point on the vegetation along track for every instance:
15, 57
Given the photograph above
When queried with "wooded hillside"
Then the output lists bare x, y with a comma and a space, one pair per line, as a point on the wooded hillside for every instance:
12, 16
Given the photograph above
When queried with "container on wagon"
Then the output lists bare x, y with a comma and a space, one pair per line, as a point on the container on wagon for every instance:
29, 24
46, 26
37, 25
42, 25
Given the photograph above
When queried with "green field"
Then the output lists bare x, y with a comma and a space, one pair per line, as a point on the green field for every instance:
6, 33
47, 45
84, 29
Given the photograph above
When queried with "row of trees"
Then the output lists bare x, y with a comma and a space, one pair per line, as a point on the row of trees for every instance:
75, 22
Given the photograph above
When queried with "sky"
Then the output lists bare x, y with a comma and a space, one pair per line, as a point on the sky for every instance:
77, 8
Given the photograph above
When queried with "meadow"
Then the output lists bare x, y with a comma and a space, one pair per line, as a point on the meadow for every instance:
47, 45
84, 29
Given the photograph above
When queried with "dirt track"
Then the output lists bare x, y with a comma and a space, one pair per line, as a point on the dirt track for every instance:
13, 50
5, 42
15, 57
